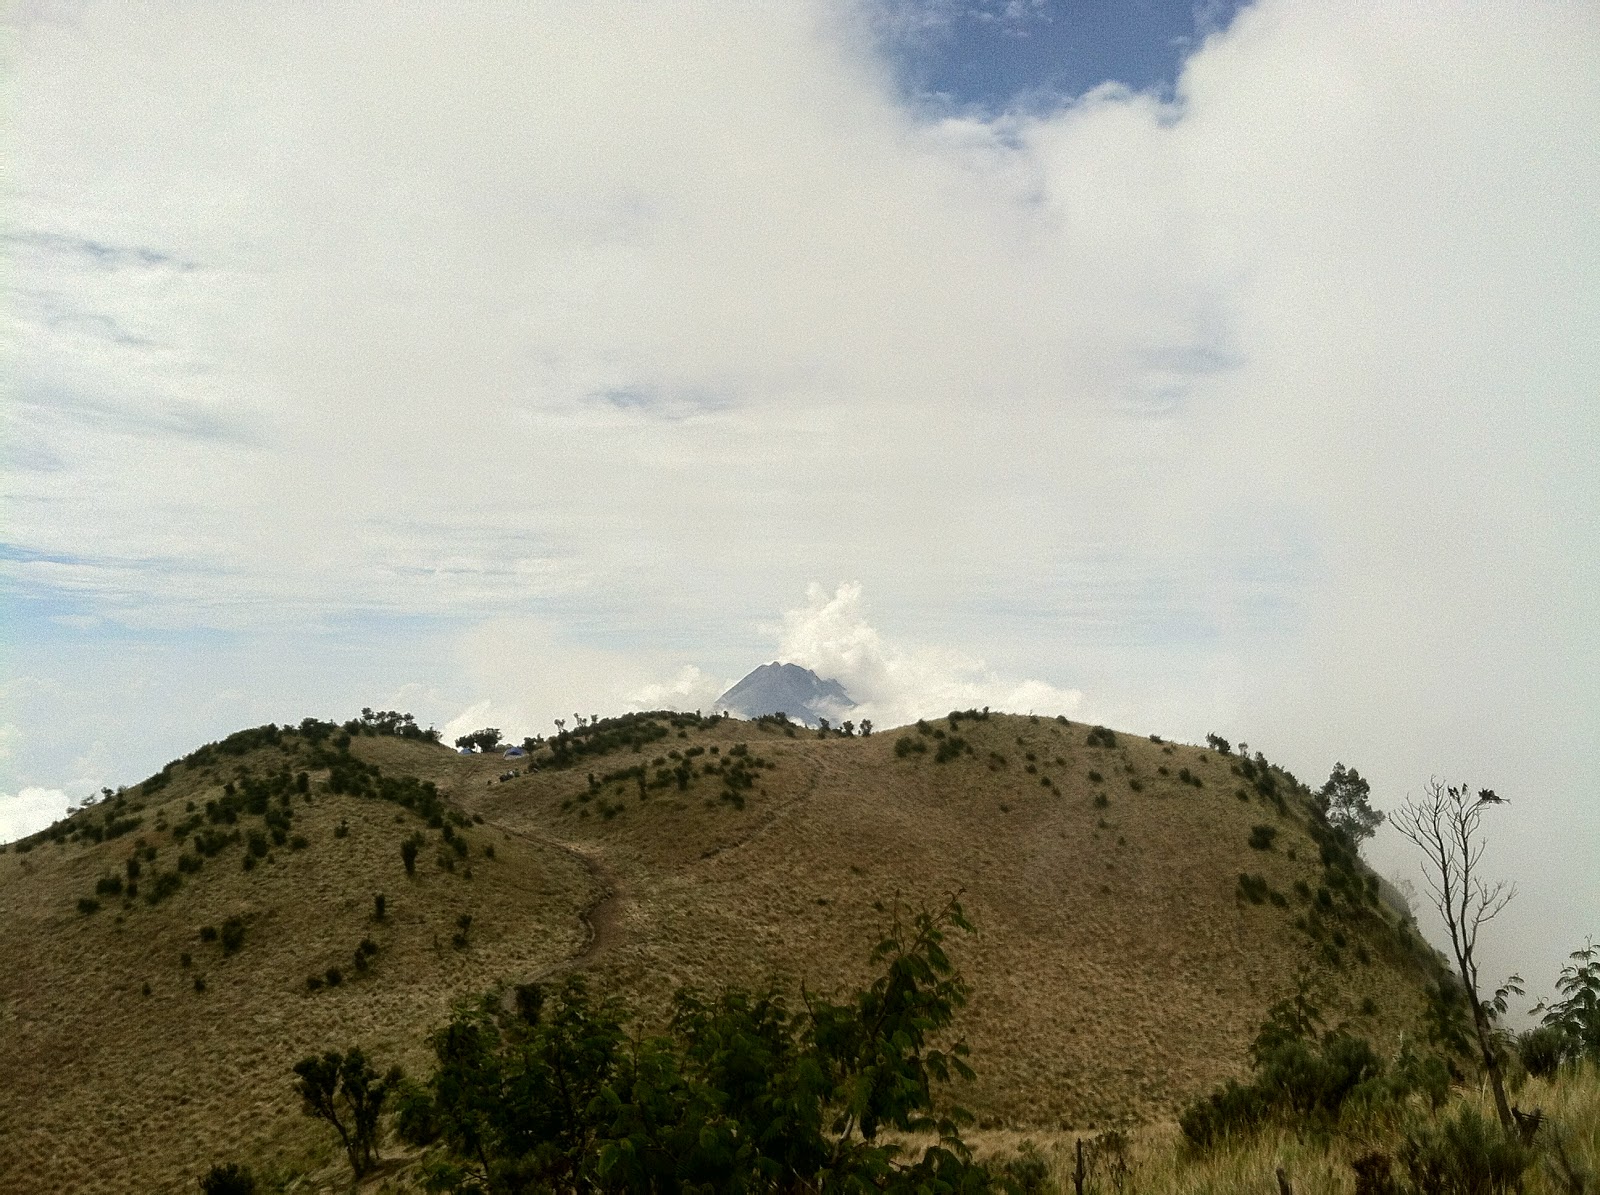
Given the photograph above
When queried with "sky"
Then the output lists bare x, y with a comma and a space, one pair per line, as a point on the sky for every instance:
1185, 368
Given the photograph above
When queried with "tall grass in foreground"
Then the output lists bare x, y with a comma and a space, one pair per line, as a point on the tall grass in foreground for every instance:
1159, 1161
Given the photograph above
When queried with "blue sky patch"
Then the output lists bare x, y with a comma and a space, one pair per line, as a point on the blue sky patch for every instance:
999, 55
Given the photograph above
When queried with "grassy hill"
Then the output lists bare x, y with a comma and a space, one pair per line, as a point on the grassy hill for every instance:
1130, 935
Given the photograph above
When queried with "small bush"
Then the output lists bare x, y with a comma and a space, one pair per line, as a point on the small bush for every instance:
1253, 888
230, 1178
379, 906
208, 933
1464, 1153
342, 829
164, 885
1261, 837
1101, 737
110, 885
1095, 777
189, 864
87, 905
199, 983
1541, 1050
313, 983
232, 935
408, 853
1101, 801
298, 842
1232, 1110
333, 976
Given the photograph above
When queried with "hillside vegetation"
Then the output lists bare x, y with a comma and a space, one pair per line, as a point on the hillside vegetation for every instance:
173, 951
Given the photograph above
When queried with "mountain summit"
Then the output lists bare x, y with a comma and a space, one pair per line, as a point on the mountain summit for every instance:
787, 689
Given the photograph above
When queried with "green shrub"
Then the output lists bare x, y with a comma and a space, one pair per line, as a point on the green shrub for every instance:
208, 933
408, 853
333, 976
1233, 1110
313, 983
1261, 837
1101, 737
87, 905
379, 906
1095, 777
230, 1178
163, 886
1541, 1050
232, 934
1253, 888
1464, 1154
110, 885
189, 864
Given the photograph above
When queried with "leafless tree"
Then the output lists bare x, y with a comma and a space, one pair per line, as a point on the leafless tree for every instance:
1444, 825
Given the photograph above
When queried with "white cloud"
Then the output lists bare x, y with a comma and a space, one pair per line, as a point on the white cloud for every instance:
31, 809
573, 341
894, 685
690, 689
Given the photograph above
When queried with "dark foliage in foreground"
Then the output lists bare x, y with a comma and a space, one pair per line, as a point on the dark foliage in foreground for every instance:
744, 1092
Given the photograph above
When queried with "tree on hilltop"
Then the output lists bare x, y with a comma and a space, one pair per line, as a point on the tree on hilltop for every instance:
486, 739
1344, 805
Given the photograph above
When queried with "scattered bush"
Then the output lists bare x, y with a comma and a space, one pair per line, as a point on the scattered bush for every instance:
408, 853
208, 933
379, 906
232, 935
110, 885
1261, 837
87, 905
1101, 801
333, 976
1253, 888
164, 885
230, 1178
1101, 737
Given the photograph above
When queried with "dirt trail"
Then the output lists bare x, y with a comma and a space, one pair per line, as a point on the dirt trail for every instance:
601, 920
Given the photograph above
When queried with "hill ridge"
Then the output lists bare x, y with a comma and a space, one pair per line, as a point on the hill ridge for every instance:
1121, 965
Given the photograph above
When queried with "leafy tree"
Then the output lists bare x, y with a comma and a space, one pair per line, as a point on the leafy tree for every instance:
1445, 824
1220, 745
1344, 805
744, 1092
1576, 1016
345, 1091
486, 739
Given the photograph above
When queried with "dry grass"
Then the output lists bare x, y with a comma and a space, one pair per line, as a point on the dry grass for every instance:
1116, 973
1159, 1161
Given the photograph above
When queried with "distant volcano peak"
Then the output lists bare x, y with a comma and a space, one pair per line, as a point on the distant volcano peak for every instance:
786, 689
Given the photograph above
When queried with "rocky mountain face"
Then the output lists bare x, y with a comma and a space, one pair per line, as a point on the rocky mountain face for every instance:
787, 689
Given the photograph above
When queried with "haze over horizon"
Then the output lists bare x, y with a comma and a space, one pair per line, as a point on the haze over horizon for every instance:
1187, 369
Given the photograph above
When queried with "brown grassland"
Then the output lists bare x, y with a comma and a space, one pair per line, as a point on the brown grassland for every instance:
1118, 970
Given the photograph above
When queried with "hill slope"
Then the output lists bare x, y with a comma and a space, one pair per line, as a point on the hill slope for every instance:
1120, 966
